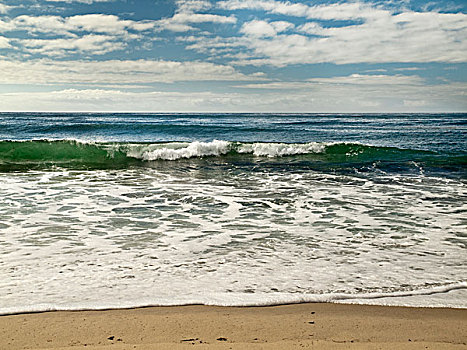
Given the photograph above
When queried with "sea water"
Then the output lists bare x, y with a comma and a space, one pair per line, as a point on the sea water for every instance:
123, 210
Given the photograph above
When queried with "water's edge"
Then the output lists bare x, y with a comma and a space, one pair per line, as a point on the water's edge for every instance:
241, 300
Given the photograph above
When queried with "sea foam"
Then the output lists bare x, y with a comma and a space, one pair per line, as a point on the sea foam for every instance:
177, 150
281, 149
413, 298
174, 151
158, 236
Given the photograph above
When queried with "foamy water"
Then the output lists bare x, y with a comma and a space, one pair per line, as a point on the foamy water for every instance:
78, 239
91, 225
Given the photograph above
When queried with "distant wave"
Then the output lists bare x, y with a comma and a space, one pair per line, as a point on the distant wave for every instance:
81, 154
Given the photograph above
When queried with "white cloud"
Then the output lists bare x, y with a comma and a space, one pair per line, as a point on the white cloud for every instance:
285, 8
215, 46
317, 98
96, 23
106, 24
353, 79
363, 79
311, 28
80, 1
258, 29
415, 103
336, 11
377, 35
32, 24
5, 26
378, 70
88, 44
187, 13
368, 93
90, 34
4, 8
193, 5
37, 72
201, 18
373, 34
282, 26
408, 69
111, 100
4, 43
345, 11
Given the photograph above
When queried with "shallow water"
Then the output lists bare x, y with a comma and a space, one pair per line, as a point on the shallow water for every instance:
132, 222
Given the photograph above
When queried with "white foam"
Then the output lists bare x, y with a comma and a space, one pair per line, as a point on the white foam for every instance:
197, 149
137, 237
248, 300
174, 151
281, 149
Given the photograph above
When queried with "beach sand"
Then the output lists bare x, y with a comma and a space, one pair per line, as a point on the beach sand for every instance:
311, 325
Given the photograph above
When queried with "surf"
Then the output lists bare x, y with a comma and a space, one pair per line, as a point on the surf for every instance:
40, 154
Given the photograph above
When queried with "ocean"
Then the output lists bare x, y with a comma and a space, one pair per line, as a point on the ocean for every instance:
116, 210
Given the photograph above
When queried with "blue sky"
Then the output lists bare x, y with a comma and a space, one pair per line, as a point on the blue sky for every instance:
233, 56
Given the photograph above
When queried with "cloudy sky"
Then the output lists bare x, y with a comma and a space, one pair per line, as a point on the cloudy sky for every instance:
233, 55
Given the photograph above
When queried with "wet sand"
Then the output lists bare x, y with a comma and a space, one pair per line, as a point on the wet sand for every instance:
313, 326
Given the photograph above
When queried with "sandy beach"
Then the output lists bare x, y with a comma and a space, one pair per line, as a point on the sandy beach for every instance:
316, 326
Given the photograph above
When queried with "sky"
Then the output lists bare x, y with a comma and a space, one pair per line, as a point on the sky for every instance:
233, 56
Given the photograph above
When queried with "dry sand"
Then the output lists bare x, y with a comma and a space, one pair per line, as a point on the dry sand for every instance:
314, 326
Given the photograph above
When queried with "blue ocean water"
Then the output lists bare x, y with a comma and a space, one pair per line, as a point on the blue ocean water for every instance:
117, 210
436, 132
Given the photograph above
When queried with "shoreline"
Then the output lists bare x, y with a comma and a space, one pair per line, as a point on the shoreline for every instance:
142, 307
303, 325
436, 297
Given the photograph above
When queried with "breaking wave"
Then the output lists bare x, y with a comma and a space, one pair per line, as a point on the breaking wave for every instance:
21, 155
